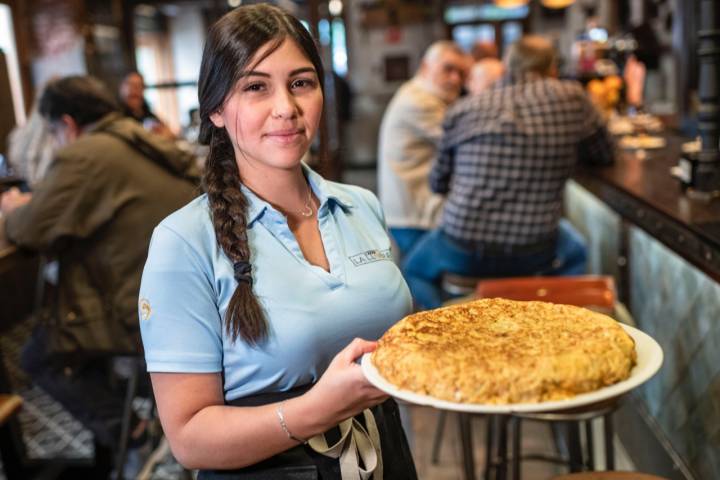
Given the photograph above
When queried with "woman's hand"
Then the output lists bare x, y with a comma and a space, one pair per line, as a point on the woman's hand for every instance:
343, 391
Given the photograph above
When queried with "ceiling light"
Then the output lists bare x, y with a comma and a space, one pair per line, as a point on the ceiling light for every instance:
335, 7
556, 3
510, 3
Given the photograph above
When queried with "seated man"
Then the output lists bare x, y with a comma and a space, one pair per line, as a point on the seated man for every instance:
409, 134
108, 186
503, 162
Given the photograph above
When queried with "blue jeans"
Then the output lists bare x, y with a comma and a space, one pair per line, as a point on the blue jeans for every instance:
436, 253
406, 238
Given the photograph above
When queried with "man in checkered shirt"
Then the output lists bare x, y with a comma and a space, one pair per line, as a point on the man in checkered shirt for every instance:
503, 162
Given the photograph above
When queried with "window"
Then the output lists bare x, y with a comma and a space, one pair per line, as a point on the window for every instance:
339, 47
7, 45
468, 35
489, 24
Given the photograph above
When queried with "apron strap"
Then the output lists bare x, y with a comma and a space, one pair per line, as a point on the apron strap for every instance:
355, 443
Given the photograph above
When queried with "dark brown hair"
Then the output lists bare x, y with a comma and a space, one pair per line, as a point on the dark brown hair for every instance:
231, 44
85, 99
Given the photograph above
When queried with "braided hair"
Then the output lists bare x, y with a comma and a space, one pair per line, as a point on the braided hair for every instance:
231, 44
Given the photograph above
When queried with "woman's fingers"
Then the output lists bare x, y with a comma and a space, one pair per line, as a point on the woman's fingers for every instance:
356, 349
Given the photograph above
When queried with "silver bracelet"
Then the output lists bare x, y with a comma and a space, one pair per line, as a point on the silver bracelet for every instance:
281, 418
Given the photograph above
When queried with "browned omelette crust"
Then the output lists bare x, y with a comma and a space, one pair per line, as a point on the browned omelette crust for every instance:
497, 351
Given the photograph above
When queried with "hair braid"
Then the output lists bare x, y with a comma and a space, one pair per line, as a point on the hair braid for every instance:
228, 206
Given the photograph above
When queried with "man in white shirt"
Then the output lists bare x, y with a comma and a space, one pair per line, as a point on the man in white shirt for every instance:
409, 135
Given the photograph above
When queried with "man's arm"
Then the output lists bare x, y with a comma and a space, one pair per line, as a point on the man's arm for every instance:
68, 202
442, 169
596, 146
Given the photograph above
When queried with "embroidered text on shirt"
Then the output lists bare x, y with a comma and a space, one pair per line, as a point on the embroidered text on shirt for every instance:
370, 256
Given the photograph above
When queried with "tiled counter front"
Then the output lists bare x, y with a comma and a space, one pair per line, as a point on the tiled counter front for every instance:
680, 307
599, 225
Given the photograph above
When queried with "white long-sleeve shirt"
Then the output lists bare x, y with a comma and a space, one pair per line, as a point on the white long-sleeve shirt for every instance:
409, 137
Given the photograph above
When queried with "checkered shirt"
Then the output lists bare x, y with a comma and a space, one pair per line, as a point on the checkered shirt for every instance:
506, 154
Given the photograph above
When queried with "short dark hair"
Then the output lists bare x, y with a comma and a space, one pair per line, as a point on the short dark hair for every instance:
85, 99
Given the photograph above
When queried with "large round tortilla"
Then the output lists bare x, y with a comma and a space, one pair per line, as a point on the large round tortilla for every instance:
497, 351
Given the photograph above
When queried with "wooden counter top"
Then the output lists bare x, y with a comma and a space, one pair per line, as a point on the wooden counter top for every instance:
643, 192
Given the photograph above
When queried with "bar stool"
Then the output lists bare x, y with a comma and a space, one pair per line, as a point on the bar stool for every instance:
595, 292
577, 459
608, 476
591, 291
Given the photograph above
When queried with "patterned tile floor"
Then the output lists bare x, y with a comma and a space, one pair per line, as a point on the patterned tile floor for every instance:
48, 430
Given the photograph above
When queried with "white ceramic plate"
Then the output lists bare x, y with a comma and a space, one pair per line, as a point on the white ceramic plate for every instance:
645, 142
649, 360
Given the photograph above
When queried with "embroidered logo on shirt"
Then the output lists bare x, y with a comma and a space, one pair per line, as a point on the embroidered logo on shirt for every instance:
370, 256
145, 310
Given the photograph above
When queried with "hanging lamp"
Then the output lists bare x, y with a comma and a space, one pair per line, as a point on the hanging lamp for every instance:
556, 4
510, 3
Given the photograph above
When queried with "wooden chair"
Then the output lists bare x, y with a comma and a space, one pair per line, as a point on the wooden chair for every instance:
9, 406
23, 273
590, 291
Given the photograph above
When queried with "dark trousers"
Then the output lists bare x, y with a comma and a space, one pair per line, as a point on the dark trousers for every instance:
84, 387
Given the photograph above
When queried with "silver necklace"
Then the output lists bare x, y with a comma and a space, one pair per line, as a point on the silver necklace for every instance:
307, 210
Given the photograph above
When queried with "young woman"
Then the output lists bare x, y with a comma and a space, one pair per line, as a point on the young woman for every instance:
252, 294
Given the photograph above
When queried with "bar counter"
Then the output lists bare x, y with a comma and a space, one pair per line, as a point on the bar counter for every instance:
643, 192
663, 248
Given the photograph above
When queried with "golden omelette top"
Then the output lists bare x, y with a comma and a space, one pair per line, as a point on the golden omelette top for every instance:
497, 351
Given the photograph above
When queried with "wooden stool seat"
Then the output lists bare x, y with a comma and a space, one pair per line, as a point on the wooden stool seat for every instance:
9, 406
591, 291
608, 476
596, 291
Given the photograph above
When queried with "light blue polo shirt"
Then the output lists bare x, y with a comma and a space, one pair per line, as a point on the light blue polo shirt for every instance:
188, 281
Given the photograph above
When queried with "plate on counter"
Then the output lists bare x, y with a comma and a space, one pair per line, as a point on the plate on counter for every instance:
642, 142
649, 360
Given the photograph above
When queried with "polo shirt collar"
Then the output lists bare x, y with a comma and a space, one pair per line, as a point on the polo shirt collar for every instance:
325, 191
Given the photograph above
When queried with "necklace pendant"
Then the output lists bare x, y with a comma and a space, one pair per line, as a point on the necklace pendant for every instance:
307, 212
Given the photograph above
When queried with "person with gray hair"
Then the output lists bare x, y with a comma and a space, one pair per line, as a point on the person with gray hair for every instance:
409, 133
483, 74
503, 161
531, 55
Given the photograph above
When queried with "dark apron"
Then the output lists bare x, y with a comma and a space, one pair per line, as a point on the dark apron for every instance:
303, 463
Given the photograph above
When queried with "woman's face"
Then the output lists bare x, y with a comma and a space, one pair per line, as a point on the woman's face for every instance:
274, 110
